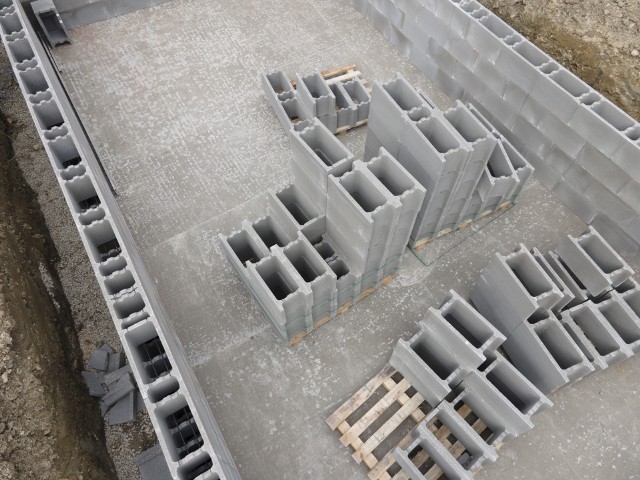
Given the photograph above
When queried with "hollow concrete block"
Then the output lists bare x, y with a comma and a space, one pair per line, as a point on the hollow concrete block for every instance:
622, 312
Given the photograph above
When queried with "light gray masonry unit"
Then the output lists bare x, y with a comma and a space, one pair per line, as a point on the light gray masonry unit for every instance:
466, 167
583, 147
49, 19
188, 434
337, 105
84, 12
339, 229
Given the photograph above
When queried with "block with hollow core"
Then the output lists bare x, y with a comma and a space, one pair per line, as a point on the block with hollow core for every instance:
593, 333
567, 295
317, 154
470, 324
49, 19
295, 212
315, 94
282, 294
546, 354
436, 359
360, 97
401, 184
622, 312
361, 218
574, 285
317, 274
514, 289
283, 98
594, 262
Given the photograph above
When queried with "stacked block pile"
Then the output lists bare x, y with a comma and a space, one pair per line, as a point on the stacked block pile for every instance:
557, 317
584, 148
466, 166
338, 105
327, 239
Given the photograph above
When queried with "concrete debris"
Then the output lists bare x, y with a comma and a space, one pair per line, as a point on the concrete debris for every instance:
123, 410
152, 465
94, 383
99, 360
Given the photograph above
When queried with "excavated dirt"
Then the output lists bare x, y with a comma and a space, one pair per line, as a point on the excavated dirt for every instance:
52, 317
597, 40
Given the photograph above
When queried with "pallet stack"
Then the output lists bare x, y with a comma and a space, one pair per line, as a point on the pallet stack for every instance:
558, 318
338, 97
468, 169
330, 237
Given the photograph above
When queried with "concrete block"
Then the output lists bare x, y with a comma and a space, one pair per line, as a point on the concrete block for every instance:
399, 183
99, 360
520, 392
361, 218
121, 389
602, 168
597, 339
315, 95
472, 326
436, 359
514, 289
567, 295
317, 154
567, 277
152, 464
593, 128
93, 383
123, 411
347, 281
360, 98
496, 410
49, 19
284, 297
545, 353
317, 274
244, 246
622, 312
295, 212
594, 262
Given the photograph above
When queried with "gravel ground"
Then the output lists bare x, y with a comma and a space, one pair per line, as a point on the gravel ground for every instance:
90, 318
597, 40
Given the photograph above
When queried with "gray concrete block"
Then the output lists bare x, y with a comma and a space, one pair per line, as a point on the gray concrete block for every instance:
121, 389
592, 127
514, 289
283, 98
152, 464
622, 312
315, 95
295, 212
242, 247
472, 326
123, 411
567, 295
546, 354
399, 183
94, 383
360, 98
598, 340
99, 360
574, 285
602, 168
436, 359
594, 262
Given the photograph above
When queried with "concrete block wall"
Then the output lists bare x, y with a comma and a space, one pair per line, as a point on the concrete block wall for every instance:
337, 105
584, 148
564, 313
75, 13
187, 432
466, 167
337, 231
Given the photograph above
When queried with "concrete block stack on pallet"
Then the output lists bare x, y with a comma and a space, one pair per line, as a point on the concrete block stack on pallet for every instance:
583, 147
327, 239
188, 434
340, 103
566, 314
467, 168
469, 400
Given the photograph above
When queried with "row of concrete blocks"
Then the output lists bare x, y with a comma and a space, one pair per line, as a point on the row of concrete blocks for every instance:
566, 314
337, 231
337, 105
584, 147
49, 19
452, 362
466, 166
167, 387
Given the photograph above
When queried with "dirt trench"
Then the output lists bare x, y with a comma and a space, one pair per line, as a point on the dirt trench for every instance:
597, 40
49, 427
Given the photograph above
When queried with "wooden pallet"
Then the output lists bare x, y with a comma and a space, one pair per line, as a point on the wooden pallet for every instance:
420, 244
341, 75
414, 407
343, 309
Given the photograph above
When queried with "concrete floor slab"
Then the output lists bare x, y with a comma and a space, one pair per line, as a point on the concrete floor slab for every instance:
171, 98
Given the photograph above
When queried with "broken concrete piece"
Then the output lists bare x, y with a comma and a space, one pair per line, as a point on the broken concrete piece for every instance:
116, 360
112, 377
94, 383
124, 410
99, 360
121, 389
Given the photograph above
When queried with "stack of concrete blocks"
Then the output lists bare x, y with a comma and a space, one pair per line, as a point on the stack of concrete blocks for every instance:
338, 105
337, 231
564, 314
583, 147
467, 168
452, 362
171, 394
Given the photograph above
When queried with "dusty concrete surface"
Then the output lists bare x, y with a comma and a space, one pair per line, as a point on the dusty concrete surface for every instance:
597, 40
172, 101
79, 308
